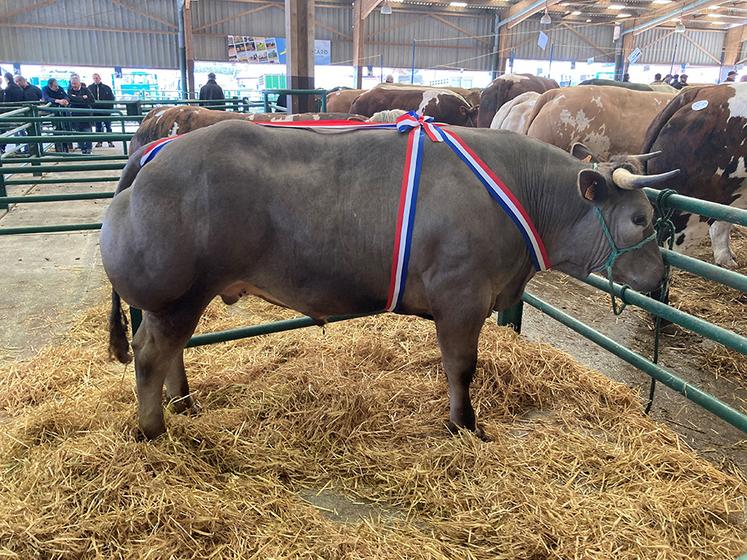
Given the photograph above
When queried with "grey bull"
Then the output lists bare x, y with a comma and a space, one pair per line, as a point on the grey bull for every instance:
315, 233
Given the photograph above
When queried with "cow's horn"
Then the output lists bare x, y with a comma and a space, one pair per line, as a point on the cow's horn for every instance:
630, 181
648, 156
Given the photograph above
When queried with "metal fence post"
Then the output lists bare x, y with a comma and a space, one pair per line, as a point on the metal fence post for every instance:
511, 317
3, 192
38, 148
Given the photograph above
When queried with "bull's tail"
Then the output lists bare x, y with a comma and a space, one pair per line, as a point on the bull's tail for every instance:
119, 346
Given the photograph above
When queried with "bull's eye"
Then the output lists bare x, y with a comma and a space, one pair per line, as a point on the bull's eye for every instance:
639, 220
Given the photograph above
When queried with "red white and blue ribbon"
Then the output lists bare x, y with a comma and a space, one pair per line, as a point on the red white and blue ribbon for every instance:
152, 149
498, 190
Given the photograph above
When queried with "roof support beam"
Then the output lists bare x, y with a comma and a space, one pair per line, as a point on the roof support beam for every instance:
733, 43
237, 16
146, 15
523, 10
460, 29
664, 16
27, 9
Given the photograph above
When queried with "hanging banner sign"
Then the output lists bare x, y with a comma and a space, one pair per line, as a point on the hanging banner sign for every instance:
634, 56
271, 50
542, 40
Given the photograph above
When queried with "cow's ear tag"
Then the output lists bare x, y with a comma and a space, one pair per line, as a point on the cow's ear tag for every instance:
592, 186
700, 105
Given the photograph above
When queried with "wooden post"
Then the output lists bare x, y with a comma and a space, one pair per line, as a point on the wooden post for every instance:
299, 32
359, 24
188, 48
733, 45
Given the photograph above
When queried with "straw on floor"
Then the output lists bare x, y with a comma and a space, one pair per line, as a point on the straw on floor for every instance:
331, 444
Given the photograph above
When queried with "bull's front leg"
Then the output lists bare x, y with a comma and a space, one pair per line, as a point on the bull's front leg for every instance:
458, 324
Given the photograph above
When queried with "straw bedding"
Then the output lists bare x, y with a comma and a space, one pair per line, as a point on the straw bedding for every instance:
331, 444
718, 304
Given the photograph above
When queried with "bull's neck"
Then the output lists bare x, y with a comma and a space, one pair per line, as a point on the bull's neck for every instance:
550, 195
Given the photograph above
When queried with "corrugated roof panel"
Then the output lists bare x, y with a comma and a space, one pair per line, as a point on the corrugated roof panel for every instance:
91, 33
664, 46
584, 41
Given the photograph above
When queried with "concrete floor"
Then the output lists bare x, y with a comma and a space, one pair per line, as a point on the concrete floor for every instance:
49, 277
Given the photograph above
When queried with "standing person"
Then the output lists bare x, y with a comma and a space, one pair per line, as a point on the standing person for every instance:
211, 91
81, 98
731, 76
626, 77
657, 79
12, 93
53, 94
681, 83
102, 92
30, 91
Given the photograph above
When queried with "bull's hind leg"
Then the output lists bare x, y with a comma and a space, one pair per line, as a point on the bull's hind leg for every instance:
159, 346
458, 325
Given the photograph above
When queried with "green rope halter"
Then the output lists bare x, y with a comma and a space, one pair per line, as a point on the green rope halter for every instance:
615, 252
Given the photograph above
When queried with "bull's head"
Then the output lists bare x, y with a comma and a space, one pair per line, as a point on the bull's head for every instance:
469, 114
618, 235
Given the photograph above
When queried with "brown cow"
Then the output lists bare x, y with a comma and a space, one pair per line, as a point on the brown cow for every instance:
703, 132
471, 95
505, 88
443, 105
609, 120
340, 101
169, 121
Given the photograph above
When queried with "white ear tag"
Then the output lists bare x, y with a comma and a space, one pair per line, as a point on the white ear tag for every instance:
700, 105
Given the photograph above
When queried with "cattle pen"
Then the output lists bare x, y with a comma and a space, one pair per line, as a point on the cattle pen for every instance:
38, 167
665, 200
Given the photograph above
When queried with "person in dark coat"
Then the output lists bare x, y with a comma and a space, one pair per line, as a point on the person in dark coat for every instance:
12, 93
81, 98
211, 91
53, 94
101, 93
30, 91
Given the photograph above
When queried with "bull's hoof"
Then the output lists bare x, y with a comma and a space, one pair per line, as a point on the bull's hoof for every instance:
149, 434
183, 405
478, 431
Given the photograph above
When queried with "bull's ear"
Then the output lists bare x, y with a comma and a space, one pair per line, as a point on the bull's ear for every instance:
592, 186
582, 152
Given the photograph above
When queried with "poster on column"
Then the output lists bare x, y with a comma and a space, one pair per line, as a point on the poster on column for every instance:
270, 50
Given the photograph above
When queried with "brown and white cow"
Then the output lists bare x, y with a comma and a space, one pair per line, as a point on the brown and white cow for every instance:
703, 132
504, 89
608, 120
161, 122
514, 115
340, 101
441, 104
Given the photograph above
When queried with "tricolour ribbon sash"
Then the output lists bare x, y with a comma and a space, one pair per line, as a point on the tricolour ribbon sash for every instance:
418, 127
154, 147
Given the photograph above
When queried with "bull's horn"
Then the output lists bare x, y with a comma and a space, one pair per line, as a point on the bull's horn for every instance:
648, 156
630, 181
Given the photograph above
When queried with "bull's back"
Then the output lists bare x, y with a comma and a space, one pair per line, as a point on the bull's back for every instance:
608, 120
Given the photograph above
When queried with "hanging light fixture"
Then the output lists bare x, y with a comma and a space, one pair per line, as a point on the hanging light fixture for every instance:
545, 19
680, 27
386, 9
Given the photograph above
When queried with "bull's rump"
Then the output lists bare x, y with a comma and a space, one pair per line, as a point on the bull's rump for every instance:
307, 218
700, 133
